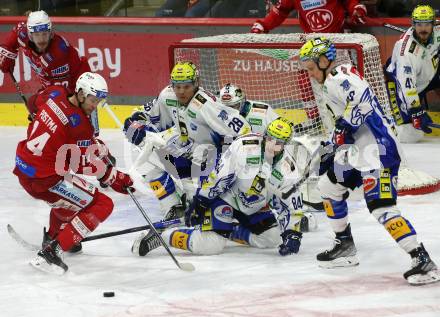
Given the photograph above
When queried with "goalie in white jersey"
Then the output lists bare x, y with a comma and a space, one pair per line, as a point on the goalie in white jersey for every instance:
203, 126
251, 176
367, 154
257, 114
414, 70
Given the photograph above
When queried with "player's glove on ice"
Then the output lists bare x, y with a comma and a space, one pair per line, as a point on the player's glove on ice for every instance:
291, 242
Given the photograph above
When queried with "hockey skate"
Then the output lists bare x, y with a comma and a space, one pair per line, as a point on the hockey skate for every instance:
342, 254
308, 222
175, 212
48, 259
76, 248
424, 270
145, 243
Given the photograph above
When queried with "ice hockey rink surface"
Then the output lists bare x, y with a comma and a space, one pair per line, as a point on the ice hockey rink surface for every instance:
240, 282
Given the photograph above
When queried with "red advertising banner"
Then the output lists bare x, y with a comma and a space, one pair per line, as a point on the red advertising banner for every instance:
134, 64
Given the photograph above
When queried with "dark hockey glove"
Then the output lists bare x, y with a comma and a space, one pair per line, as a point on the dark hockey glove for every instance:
195, 212
342, 133
327, 157
135, 127
420, 119
291, 242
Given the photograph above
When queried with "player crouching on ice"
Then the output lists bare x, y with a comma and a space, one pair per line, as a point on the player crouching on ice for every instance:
360, 124
60, 139
202, 128
247, 186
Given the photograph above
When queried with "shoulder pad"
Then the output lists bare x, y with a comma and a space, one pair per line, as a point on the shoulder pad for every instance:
250, 142
200, 98
259, 105
412, 47
334, 72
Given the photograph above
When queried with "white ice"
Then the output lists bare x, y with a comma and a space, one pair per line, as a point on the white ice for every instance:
239, 282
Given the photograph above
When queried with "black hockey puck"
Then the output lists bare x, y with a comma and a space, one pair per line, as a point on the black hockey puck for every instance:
108, 294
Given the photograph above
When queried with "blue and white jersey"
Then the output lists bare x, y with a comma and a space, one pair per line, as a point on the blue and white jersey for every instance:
413, 66
203, 120
248, 182
350, 98
258, 115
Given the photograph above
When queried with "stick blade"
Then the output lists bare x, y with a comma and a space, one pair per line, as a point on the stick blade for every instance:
188, 267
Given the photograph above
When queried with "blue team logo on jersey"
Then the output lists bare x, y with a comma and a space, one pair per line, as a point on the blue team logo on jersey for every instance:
74, 120
24, 167
407, 69
63, 45
54, 94
223, 115
346, 85
193, 126
48, 57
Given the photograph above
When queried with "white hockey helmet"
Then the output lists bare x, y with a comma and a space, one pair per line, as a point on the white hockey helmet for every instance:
92, 84
38, 21
232, 96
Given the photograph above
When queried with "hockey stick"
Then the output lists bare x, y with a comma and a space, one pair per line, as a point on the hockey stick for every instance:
164, 224
23, 97
306, 174
434, 125
183, 266
159, 225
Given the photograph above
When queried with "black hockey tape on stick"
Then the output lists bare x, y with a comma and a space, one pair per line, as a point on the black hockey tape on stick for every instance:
157, 225
434, 125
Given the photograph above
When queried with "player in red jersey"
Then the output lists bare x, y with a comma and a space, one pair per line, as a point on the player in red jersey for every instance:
324, 16
51, 56
60, 140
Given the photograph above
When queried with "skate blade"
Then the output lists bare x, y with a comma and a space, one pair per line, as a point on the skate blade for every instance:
40, 264
339, 262
432, 276
137, 243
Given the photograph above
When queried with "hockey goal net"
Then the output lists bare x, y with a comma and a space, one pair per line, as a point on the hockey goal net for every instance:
266, 67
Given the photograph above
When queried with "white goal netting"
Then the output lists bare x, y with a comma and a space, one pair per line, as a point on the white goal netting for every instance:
266, 67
